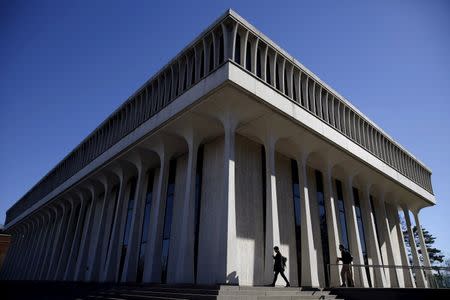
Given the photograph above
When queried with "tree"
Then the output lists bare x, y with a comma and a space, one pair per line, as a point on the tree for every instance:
435, 255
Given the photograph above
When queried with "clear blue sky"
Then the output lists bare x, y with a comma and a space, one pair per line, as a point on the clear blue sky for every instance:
64, 67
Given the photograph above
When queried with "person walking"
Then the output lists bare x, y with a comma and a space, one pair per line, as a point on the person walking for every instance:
346, 272
279, 266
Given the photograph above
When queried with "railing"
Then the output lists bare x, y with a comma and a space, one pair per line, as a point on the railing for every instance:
435, 276
229, 39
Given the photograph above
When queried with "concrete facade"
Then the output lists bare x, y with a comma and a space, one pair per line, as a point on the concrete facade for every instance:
232, 148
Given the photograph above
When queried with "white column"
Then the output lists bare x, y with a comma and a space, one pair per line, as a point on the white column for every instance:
56, 251
67, 243
49, 245
111, 269
80, 269
29, 254
420, 278
354, 238
332, 226
152, 269
132, 257
310, 275
185, 255
272, 223
39, 246
373, 249
46, 225
423, 247
94, 259
386, 244
73, 255
229, 193
407, 273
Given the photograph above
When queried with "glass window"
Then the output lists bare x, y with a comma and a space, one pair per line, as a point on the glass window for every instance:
198, 194
125, 238
323, 223
145, 226
297, 216
248, 57
237, 49
168, 220
341, 212
362, 237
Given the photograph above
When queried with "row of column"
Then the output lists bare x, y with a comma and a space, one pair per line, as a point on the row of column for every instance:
80, 237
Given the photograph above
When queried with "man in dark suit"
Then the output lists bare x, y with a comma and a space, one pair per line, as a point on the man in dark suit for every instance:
279, 266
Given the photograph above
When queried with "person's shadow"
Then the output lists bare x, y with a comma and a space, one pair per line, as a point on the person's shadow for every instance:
232, 278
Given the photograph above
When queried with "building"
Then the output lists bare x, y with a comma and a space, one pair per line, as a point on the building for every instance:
231, 148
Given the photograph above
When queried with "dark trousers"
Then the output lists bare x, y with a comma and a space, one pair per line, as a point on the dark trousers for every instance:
276, 276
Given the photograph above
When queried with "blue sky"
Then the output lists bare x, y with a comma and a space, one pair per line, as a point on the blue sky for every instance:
65, 66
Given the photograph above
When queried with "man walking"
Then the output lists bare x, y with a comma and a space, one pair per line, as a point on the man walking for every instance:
279, 266
346, 272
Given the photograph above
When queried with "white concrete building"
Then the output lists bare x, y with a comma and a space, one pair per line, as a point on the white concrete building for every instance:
231, 148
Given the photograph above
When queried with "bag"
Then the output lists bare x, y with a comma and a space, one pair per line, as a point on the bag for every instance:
283, 261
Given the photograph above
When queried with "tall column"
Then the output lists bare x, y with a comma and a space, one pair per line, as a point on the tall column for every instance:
373, 247
272, 224
229, 193
354, 238
332, 226
39, 245
407, 273
49, 245
132, 257
94, 259
423, 247
67, 243
46, 225
386, 244
73, 254
111, 269
16, 270
30, 250
420, 278
81, 266
61, 230
310, 275
152, 269
186, 250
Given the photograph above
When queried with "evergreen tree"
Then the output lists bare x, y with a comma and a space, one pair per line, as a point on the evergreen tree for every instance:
435, 255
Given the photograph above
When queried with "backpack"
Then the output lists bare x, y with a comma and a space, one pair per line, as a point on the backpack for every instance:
283, 261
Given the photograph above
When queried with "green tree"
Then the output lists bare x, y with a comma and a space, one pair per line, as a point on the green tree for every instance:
435, 255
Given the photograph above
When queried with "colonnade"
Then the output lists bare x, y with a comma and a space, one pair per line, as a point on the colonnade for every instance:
95, 231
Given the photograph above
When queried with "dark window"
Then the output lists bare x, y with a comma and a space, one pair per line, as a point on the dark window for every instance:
248, 57
168, 220
202, 64
297, 216
83, 221
372, 207
193, 71
221, 50
268, 74
294, 92
237, 49
211, 56
258, 64
185, 77
198, 195
341, 213
145, 226
286, 92
303, 90
126, 233
115, 192
323, 224
362, 237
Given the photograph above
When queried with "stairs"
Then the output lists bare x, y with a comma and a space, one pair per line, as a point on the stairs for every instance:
175, 292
